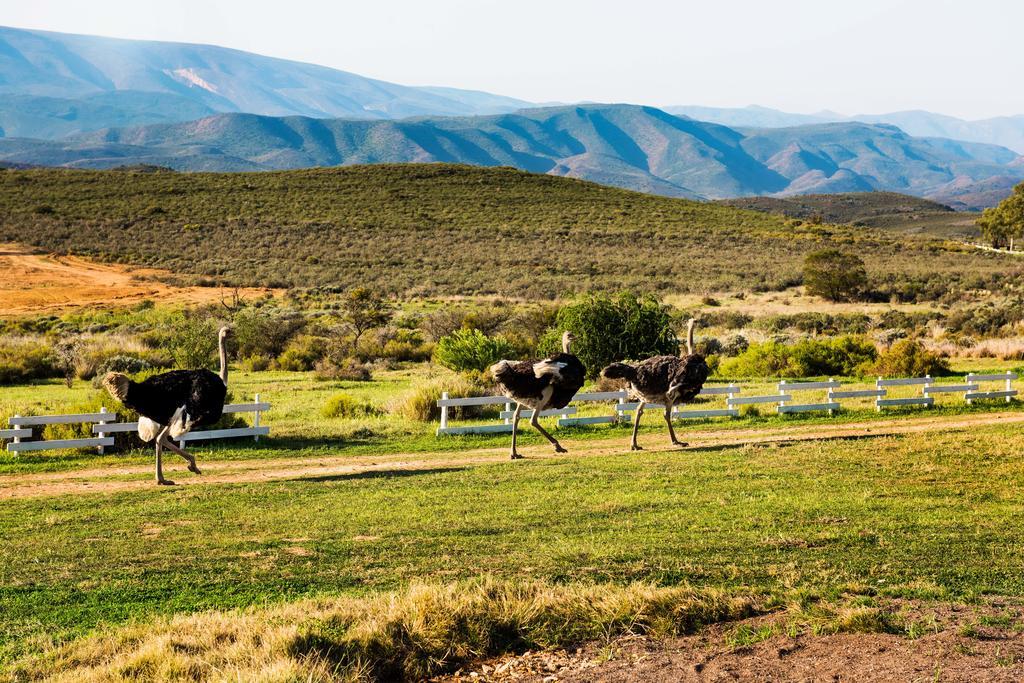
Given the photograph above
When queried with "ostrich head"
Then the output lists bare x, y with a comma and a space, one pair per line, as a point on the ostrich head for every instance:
567, 339
226, 333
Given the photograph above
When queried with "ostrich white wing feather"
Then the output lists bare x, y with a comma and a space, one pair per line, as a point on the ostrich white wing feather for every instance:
148, 429
180, 423
546, 367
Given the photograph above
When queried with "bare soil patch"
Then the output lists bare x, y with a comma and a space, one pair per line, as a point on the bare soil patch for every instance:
958, 643
38, 283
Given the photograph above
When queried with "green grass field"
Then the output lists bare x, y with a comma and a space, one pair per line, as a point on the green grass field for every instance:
883, 515
934, 515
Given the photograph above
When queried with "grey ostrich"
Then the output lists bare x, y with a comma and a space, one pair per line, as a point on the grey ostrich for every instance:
540, 385
668, 380
173, 403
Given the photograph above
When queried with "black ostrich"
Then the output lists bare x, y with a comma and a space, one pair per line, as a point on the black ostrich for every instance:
173, 403
663, 379
540, 385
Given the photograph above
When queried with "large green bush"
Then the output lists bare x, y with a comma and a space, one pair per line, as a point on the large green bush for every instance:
611, 328
842, 356
471, 349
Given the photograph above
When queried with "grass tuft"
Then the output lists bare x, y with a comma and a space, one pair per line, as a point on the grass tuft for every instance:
423, 631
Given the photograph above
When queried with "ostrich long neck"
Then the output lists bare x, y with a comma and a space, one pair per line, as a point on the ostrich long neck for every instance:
223, 361
689, 339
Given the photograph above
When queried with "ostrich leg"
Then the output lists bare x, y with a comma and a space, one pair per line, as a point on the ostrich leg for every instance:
671, 430
192, 467
536, 425
515, 430
633, 445
159, 458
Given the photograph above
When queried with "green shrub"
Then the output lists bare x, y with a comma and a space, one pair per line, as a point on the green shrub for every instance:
909, 358
25, 359
843, 356
420, 404
302, 354
735, 345
613, 328
262, 332
343, 370
345, 405
730, 320
471, 349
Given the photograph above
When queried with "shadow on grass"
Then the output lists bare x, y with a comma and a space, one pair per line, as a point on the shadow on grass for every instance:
379, 474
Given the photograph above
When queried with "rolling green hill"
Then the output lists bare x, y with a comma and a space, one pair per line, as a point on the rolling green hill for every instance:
887, 210
427, 230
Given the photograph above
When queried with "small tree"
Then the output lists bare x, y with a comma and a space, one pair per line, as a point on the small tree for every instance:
194, 343
835, 275
1003, 224
364, 310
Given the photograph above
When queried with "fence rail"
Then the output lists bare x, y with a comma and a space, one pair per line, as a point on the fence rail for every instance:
105, 424
785, 401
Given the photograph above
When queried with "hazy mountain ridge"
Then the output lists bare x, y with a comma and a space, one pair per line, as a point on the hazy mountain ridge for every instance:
640, 148
1006, 131
193, 80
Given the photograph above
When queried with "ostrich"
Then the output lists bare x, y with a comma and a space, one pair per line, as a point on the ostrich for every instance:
540, 385
663, 379
172, 403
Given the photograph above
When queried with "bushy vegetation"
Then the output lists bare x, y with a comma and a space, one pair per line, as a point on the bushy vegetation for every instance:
610, 328
23, 360
420, 403
909, 358
815, 323
425, 230
471, 349
842, 356
835, 275
345, 405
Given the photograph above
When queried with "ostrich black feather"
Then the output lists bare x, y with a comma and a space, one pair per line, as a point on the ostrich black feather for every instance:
527, 382
663, 379
200, 393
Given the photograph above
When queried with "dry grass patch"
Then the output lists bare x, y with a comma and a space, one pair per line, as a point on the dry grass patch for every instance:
422, 631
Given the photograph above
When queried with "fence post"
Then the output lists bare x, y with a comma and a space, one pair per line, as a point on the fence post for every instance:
99, 449
970, 380
729, 396
619, 401
17, 439
508, 407
256, 417
828, 397
878, 387
927, 383
1009, 384
444, 411
782, 392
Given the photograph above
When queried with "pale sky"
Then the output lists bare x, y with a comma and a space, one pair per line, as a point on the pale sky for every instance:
956, 57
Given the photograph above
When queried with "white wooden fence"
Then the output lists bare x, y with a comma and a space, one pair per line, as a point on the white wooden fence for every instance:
783, 401
105, 425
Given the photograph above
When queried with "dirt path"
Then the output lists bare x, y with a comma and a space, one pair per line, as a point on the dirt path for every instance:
36, 283
116, 479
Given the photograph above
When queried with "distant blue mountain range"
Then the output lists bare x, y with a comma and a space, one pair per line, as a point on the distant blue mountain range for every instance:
85, 101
